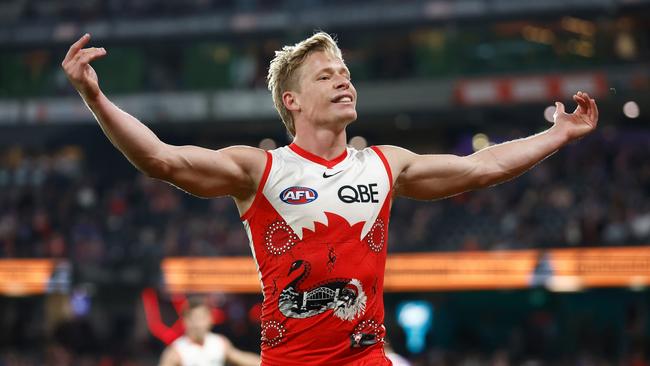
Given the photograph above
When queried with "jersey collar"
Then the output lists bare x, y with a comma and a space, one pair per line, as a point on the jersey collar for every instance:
329, 164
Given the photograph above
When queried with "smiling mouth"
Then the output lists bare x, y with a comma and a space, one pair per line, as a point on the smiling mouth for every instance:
342, 99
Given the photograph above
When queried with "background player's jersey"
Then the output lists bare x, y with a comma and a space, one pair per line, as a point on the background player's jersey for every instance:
211, 353
318, 230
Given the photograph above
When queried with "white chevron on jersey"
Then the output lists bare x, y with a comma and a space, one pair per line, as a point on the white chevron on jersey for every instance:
359, 168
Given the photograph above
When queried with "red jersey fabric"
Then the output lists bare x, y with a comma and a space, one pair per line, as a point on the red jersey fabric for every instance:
318, 230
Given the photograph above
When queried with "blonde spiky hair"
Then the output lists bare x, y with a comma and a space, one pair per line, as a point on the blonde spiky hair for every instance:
283, 69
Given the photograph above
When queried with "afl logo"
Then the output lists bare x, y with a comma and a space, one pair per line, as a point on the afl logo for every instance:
298, 195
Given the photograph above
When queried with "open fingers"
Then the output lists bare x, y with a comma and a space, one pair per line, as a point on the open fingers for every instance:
580, 104
593, 111
74, 49
582, 99
586, 99
88, 55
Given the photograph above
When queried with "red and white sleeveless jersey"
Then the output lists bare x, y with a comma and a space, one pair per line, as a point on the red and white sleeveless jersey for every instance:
318, 231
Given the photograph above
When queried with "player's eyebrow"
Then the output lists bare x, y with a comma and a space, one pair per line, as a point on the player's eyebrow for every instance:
331, 70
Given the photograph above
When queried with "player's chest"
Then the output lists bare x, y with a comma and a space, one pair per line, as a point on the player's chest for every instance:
347, 186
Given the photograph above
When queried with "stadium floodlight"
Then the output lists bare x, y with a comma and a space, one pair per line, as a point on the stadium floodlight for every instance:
631, 109
268, 144
549, 112
358, 142
416, 318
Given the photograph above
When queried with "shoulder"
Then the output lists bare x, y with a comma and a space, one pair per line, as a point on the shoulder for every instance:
245, 153
251, 160
396, 157
219, 337
221, 340
178, 342
394, 151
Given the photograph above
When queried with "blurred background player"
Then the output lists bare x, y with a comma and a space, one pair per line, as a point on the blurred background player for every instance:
199, 346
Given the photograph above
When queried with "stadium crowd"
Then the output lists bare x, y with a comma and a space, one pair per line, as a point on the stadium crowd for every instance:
56, 204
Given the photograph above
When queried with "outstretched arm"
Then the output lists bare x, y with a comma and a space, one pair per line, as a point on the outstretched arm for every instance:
430, 177
238, 357
203, 172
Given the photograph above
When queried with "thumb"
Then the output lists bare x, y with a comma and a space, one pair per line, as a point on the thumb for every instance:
559, 108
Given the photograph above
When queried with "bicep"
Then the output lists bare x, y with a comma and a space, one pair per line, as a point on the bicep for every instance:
429, 177
211, 173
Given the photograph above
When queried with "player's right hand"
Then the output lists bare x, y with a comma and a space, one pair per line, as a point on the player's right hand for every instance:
76, 65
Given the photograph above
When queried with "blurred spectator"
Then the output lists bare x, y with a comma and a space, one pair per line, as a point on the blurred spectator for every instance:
51, 209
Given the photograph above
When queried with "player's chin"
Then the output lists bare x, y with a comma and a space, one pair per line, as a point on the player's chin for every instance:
349, 115
353, 116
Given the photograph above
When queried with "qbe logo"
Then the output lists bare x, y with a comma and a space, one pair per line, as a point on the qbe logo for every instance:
361, 193
298, 195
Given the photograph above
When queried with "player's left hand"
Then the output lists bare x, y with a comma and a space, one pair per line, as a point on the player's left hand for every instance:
579, 123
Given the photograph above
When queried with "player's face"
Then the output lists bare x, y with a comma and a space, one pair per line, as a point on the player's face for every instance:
198, 322
326, 92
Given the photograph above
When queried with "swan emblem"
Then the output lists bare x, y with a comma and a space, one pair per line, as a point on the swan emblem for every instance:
344, 296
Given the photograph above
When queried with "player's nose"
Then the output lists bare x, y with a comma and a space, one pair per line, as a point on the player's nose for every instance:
342, 83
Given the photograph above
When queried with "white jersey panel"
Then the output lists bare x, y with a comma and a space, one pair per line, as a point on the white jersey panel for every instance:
211, 353
354, 189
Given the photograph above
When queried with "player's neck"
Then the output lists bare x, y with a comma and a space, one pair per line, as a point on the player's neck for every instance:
325, 143
197, 339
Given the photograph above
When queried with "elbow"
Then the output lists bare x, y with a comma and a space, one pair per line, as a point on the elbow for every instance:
478, 173
156, 164
490, 178
490, 171
486, 175
155, 168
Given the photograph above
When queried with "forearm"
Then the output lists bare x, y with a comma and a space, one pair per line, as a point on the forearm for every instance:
135, 140
502, 162
242, 358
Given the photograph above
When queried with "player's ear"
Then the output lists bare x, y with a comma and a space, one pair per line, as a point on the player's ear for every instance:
290, 101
